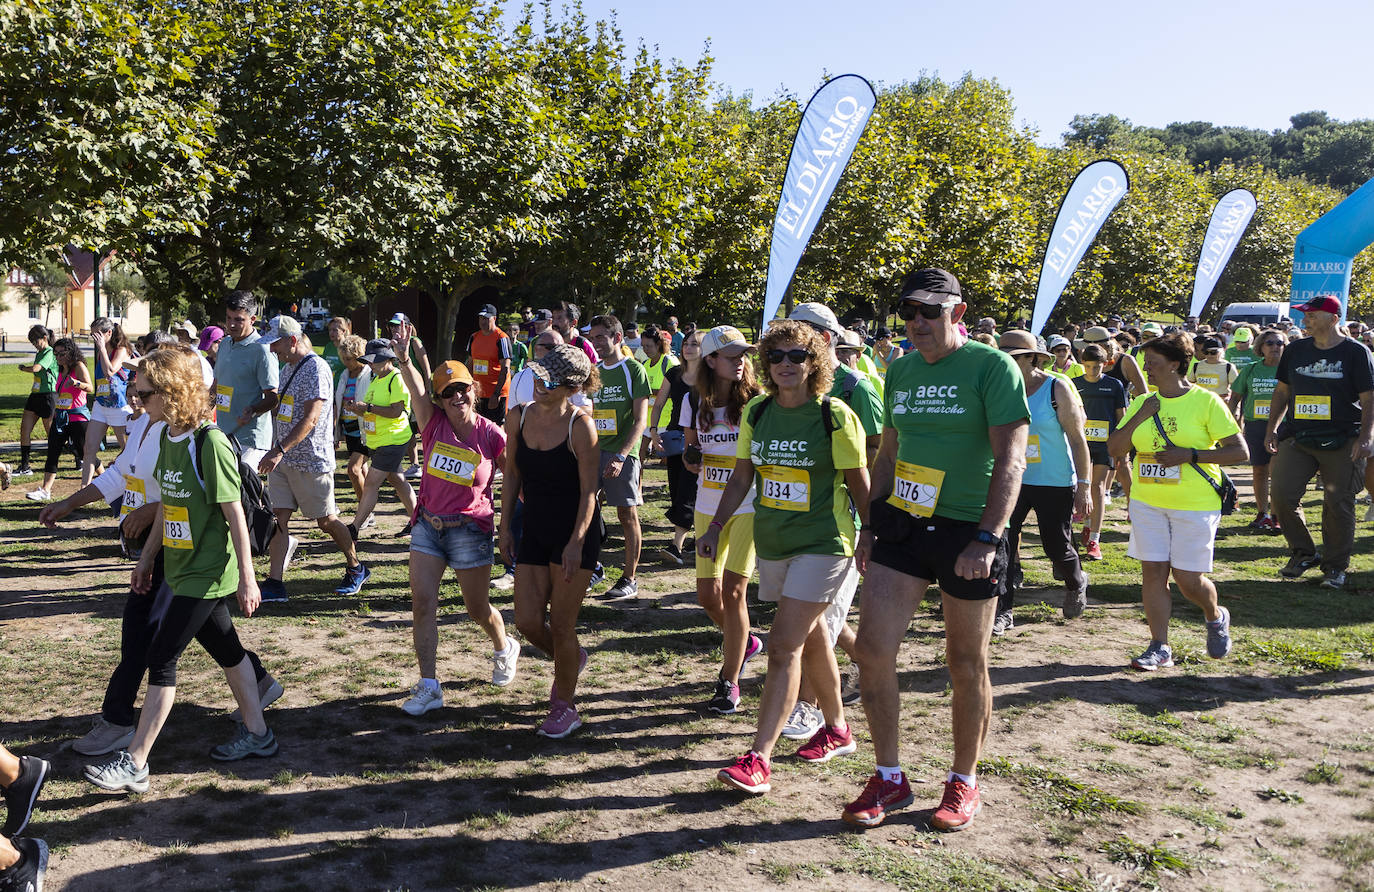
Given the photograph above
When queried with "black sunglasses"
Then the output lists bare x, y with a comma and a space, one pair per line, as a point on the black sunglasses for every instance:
907, 310
454, 389
796, 356
144, 394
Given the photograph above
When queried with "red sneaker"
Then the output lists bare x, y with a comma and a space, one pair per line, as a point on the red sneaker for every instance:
1083, 537
826, 744
1094, 552
878, 798
960, 806
749, 773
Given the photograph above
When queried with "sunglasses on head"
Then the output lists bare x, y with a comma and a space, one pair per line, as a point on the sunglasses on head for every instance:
454, 389
908, 310
796, 356
144, 394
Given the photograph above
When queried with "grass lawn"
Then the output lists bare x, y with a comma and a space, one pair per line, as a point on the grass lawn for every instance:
1255, 772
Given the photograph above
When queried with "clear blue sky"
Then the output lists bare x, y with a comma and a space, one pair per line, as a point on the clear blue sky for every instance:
1250, 64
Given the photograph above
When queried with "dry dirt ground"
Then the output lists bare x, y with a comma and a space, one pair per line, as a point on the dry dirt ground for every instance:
1253, 773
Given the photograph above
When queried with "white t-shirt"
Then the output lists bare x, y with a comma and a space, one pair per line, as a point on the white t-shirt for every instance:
133, 469
717, 459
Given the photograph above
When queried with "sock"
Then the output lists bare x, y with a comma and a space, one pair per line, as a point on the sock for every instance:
430, 684
970, 779
891, 775
842, 728
24, 452
1092, 536
760, 755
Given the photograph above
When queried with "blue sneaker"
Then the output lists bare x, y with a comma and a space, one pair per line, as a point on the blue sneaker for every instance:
273, 591
1219, 635
1157, 656
353, 580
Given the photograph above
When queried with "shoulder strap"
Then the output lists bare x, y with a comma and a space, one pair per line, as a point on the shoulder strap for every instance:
827, 418
1216, 487
851, 381
572, 419
757, 412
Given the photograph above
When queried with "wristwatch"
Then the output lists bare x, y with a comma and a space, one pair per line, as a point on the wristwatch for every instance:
987, 538
620, 458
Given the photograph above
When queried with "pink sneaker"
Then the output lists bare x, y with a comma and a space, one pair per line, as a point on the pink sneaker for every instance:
960, 805
562, 721
878, 798
749, 773
826, 744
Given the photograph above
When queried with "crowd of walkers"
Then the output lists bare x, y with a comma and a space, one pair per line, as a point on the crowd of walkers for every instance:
845, 468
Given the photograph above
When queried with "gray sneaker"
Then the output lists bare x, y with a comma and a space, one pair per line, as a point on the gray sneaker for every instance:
849, 686
1219, 635
269, 691
1076, 600
1157, 656
1334, 579
1297, 566
104, 737
1002, 622
624, 588
804, 722
244, 744
120, 774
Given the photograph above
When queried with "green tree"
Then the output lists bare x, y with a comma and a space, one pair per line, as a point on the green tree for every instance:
47, 287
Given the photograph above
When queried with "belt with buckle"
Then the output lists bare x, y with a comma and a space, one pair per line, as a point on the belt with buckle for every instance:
441, 522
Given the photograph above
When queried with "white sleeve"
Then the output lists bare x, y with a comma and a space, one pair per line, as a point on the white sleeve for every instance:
111, 480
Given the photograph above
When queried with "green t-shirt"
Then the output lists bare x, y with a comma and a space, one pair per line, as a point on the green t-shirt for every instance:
45, 378
801, 502
199, 555
331, 356
1241, 357
519, 355
941, 413
865, 399
1256, 385
377, 429
614, 412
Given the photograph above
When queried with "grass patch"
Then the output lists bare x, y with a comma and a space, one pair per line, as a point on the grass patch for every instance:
1060, 793
1201, 817
1274, 794
1324, 772
1295, 655
1147, 858
933, 870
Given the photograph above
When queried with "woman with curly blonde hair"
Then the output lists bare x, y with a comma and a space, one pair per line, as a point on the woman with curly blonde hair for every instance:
804, 455
206, 556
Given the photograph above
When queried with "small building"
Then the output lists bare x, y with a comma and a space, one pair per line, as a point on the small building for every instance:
70, 310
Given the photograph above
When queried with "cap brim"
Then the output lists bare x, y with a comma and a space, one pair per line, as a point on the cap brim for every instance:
735, 349
934, 298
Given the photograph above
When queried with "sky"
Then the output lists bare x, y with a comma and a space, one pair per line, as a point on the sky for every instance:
1250, 64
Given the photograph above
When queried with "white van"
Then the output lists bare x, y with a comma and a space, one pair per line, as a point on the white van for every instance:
1258, 313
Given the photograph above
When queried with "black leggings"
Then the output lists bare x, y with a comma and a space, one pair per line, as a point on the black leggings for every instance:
1053, 506
204, 619
142, 616
682, 494
73, 432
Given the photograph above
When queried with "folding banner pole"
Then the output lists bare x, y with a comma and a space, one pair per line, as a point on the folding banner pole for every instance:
1229, 219
1095, 193
830, 127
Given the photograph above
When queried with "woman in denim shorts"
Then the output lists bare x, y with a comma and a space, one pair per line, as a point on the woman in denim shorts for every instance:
454, 520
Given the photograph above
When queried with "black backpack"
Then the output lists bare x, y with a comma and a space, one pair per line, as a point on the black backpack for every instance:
826, 418
257, 507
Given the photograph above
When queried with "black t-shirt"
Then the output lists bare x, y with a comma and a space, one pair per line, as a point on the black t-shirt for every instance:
1325, 385
677, 394
1102, 398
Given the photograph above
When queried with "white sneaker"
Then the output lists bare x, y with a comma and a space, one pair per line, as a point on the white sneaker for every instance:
104, 737
503, 663
370, 522
38, 495
504, 581
292, 543
804, 722
423, 699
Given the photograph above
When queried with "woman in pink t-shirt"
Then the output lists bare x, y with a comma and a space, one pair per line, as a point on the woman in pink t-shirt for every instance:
454, 520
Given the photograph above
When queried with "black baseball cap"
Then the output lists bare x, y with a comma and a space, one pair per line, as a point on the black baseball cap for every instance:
925, 283
398, 319
543, 316
487, 310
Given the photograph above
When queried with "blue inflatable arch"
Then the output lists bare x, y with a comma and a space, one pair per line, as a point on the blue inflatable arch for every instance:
1325, 251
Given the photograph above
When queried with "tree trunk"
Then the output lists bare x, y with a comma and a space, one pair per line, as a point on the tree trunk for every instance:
448, 301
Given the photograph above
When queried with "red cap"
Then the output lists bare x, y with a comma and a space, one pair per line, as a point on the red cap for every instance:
1325, 304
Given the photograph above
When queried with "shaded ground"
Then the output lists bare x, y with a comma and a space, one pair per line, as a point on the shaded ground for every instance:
1256, 772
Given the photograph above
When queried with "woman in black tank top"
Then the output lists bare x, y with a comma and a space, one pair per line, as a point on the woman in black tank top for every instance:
555, 464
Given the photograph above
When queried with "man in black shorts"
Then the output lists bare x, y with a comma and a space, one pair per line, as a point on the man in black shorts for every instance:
946, 479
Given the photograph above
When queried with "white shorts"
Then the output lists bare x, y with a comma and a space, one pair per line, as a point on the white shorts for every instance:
819, 578
113, 417
1182, 539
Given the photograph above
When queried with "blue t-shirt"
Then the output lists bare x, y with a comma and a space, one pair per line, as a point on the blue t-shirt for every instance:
243, 370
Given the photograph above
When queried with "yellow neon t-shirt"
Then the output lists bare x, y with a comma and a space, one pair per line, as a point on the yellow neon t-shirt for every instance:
1197, 419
